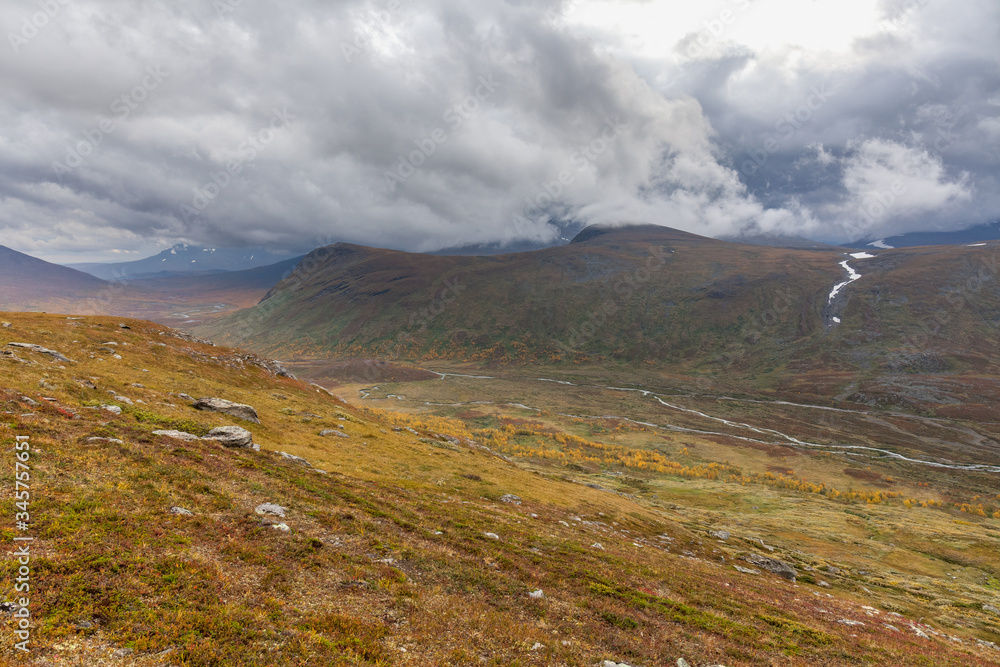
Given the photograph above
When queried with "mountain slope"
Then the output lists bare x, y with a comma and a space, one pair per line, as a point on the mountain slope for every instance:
649, 295
185, 259
977, 234
404, 553
29, 283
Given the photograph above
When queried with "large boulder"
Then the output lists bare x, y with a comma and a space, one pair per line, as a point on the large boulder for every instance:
232, 436
237, 410
773, 565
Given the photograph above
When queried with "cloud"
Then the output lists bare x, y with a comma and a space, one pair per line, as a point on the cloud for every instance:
454, 122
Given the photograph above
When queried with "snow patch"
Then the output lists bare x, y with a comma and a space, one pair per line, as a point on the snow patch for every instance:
852, 276
862, 255
880, 244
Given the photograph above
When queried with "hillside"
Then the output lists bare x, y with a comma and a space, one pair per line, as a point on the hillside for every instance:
183, 259
400, 543
31, 284
652, 296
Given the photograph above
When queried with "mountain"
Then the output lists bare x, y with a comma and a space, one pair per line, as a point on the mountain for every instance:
29, 283
644, 295
357, 536
779, 241
977, 234
185, 259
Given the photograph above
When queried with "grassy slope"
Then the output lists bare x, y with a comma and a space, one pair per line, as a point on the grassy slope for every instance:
364, 572
714, 308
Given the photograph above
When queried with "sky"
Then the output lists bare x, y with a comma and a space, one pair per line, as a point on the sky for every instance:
127, 127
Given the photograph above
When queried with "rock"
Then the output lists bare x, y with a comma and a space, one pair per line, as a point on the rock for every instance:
283, 527
537, 646
271, 509
990, 608
232, 436
123, 652
6, 325
510, 498
492, 536
41, 350
597, 545
746, 570
186, 397
832, 570
296, 459
180, 511
177, 435
115, 441
124, 326
537, 595
113, 409
237, 410
823, 584
681, 662
845, 621
721, 535
333, 432
773, 565
28, 401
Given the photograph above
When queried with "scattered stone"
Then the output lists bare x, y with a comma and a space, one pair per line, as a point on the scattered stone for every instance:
597, 545
271, 509
238, 410
296, 459
746, 570
283, 527
113, 409
28, 401
41, 350
186, 397
536, 595
492, 536
681, 662
115, 441
920, 633
177, 435
891, 627
537, 646
180, 511
232, 436
84, 625
123, 652
333, 432
721, 535
845, 621
986, 644
823, 584
773, 565
6, 325
124, 326
510, 498
8, 607
990, 608
832, 570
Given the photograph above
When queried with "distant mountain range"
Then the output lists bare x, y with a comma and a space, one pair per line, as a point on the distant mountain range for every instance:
648, 295
978, 234
33, 285
185, 260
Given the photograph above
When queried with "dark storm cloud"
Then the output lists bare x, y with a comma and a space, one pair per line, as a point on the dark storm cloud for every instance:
422, 125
